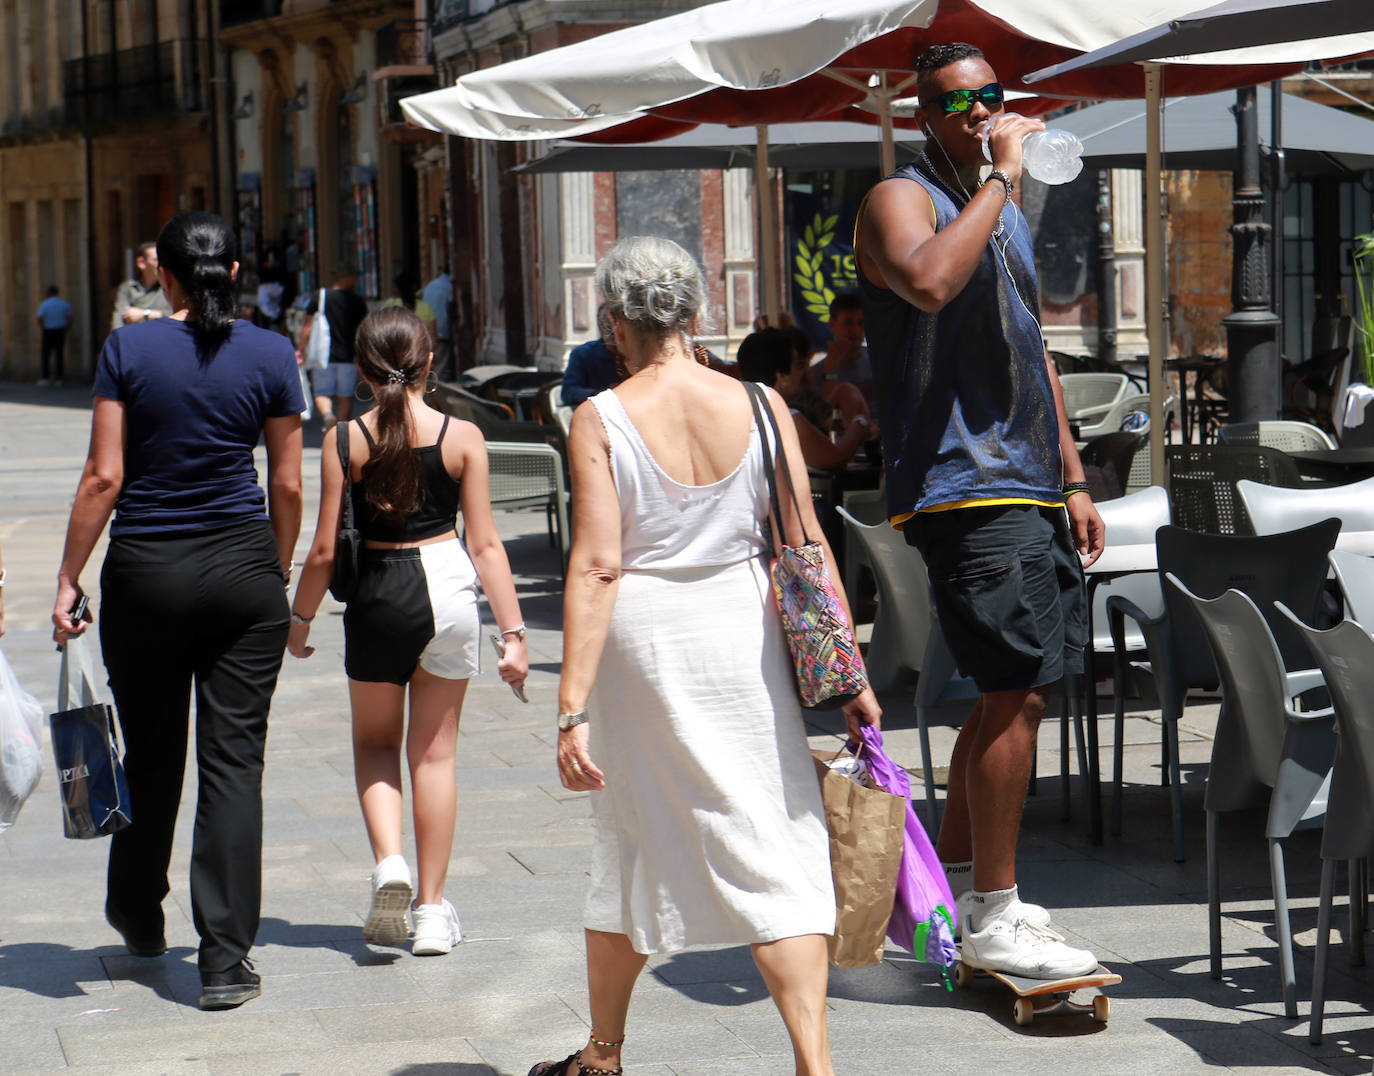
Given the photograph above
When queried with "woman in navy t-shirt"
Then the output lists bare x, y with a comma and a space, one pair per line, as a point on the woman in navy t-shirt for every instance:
192, 589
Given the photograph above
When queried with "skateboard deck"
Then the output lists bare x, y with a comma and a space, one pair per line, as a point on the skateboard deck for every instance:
1041, 997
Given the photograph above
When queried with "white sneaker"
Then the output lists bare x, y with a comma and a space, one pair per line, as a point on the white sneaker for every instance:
388, 920
1017, 947
1033, 914
436, 929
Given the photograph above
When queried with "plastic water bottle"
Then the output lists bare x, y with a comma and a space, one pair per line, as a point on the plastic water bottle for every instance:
1052, 156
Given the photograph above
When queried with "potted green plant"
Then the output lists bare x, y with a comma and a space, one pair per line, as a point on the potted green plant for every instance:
1363, 258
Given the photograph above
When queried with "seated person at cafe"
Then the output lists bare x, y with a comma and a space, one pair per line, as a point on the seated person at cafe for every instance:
593, 366
827, 404
768, 357
846, 358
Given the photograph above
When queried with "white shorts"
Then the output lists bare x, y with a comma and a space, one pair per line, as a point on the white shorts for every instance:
414, 607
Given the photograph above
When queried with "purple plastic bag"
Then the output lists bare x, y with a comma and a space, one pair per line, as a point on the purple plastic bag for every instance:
923, 913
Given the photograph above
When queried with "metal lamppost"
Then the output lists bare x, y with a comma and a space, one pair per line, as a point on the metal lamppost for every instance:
1106, 270
1252, 326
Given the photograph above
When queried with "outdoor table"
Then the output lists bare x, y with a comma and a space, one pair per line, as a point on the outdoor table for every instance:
1336, 465
1115, 561
1194, 415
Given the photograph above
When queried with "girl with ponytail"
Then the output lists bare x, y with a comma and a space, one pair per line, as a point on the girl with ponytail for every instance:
412, 624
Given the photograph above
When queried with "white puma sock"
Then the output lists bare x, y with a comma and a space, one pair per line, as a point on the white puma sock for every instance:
959, 876
990, 906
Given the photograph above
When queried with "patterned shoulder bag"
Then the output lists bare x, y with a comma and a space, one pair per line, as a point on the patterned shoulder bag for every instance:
830, 670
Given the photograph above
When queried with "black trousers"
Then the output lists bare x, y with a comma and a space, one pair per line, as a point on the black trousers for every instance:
53, 342
206, 609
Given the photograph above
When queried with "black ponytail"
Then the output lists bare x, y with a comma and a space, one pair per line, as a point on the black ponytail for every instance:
199, 250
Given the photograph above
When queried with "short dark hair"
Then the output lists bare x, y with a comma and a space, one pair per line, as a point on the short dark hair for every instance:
764, 356
802, 344
141, 251
52, 289
845, 300
941, 56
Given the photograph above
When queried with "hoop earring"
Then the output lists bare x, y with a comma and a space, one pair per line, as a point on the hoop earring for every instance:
359, 397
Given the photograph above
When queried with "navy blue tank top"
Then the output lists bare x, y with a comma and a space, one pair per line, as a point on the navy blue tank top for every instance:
965, 401
438, 510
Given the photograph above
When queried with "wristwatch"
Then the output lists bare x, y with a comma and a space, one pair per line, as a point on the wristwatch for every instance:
569, 720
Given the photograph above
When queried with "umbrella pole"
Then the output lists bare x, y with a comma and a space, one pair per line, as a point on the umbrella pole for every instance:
771, 300
1154, 271
888, 156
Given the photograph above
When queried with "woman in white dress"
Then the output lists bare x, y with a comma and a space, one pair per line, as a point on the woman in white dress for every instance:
678, 703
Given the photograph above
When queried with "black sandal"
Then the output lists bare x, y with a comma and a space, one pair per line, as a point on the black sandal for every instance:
564, 1067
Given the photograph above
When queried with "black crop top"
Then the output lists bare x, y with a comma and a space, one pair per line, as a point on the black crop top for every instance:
438, 510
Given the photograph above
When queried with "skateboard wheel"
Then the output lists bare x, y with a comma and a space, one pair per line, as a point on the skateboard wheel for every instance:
1102, 1008
963, 976
1023, 1012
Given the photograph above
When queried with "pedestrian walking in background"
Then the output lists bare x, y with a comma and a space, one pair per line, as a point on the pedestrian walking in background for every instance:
982, 477
191, 592
141, 298
344, 311
678, 704
407, 297
412, 626
438, 293
54, 317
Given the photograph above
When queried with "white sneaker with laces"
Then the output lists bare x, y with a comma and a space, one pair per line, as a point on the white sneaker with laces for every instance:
1018, 947
388, 920
1031, 913
436, 929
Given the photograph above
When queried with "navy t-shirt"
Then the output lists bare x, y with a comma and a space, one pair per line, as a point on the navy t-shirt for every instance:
192, 425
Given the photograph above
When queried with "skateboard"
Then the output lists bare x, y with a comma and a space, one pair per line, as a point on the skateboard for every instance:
1040, 997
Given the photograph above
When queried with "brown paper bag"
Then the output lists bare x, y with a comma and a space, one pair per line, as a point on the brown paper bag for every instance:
867, 828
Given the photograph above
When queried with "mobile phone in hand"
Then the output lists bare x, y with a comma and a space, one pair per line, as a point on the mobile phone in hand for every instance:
78, 611
499, 643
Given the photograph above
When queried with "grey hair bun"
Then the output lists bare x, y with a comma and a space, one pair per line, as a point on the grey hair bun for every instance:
652, 283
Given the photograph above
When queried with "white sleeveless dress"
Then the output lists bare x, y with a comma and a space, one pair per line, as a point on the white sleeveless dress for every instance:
710, 829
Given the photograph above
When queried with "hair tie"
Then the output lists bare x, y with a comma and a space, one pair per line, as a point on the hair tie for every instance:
395, 377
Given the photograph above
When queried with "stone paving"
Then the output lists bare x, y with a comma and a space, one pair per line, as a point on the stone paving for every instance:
72, 1000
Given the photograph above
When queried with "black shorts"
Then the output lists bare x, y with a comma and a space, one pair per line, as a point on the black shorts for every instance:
1007, 585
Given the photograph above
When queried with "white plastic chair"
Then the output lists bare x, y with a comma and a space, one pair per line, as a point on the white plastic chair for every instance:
902, 625
1286, 435
1273, 509
1089, 398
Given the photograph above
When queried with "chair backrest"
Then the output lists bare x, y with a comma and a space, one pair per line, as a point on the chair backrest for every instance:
1287, 435
1135, 518
1111, 454
454, 400
554, 410
1273, 508
1250, 728
1288, 567
903, 587
1345, 655
1085, 391
1355, 577
1202, 483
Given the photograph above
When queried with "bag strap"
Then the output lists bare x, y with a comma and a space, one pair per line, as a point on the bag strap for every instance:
341, 430
75, 678
759, 402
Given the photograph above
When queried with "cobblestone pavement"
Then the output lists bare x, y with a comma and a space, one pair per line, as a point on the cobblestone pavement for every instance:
72, 1000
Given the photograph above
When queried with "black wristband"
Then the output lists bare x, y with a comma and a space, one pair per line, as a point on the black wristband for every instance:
1076, 487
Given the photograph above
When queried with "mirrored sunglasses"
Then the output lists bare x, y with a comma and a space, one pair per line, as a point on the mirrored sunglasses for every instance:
962, 100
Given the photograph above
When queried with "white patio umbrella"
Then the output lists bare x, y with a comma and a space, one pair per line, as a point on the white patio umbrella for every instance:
1270, 30
1318, 28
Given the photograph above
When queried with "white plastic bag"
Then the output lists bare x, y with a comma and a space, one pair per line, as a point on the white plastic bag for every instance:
21, 758
317, 347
